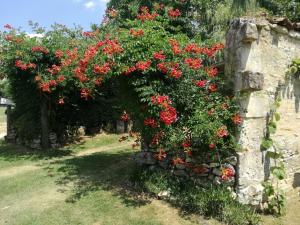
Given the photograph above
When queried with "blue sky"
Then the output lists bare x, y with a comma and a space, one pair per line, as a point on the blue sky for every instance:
46, 12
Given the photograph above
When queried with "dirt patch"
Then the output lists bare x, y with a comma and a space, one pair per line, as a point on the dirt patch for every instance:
103, 149
13, 171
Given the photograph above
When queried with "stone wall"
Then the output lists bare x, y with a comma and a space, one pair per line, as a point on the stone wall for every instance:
258, 54
201, 170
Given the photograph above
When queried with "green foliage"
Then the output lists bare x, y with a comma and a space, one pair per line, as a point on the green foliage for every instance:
275, 198
212, 201
207, 19
266, 143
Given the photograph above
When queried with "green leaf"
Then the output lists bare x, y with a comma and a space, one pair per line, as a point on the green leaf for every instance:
272, 129
277, 116
266, 143
278, 172
273, 155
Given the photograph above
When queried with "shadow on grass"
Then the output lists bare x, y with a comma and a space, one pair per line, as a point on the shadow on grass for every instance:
12, 152
101, 171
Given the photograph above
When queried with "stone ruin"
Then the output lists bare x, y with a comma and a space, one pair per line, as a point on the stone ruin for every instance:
258, 54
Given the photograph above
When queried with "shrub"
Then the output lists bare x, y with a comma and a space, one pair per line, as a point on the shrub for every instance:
214, 201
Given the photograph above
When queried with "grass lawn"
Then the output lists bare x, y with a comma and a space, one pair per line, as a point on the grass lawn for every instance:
2, 120
84, 184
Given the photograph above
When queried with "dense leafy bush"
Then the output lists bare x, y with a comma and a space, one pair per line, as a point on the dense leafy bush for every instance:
286, 8
211, 201
167, 82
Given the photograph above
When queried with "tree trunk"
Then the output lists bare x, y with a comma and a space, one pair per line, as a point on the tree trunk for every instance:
45, 124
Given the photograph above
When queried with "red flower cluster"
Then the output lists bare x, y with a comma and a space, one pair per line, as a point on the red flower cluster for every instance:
193, 63
212, 71
111, 47
89, 34
200, 83
80, 74
136, 33
146, 15
162, 100
130, 70
40, 49
227, 173
237, 119
150, 122
168, 116
156, 138
193, 48
59, 53
54, 69
186, 144
159, 55
175, 73
60, 79
175, 46
222, 132
72, 55
85, 93
210, 52
98, 81
143, 65
112, 13
45, 87
212, 87
124, 117
162, 67
102, 69
178, 161
174, 13
23, 66
80, 70
161, 155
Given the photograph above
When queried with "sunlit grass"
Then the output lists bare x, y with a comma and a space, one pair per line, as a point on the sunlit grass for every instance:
67, 189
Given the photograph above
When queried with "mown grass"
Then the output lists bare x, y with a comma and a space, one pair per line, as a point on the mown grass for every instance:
2, 115
91, 189
2, 120
75, 185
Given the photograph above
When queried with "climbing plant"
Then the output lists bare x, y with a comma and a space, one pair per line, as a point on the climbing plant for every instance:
168, 83
275, 197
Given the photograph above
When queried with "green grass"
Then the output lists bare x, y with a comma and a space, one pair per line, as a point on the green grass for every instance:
2, 115
2, 120
87, 143
60, 188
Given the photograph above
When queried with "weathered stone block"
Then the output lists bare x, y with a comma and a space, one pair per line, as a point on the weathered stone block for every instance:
254, 105
279, 29
251, 195
252, 81
294, 34
231, 160
248, 32
145, 158
181, 173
